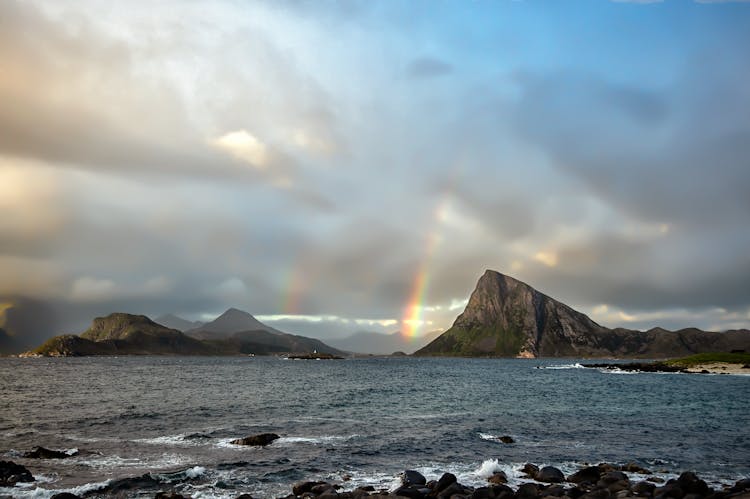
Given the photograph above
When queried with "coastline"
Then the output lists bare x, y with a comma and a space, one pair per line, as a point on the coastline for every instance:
601, 481
719, 368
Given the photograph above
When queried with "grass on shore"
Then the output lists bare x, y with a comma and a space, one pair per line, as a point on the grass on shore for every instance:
708, 358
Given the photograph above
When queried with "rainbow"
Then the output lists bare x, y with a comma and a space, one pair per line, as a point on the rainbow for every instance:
413, 316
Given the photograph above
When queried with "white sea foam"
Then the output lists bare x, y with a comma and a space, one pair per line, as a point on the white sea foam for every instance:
177, 440
40, 493
313, 440
565, 366
488, 468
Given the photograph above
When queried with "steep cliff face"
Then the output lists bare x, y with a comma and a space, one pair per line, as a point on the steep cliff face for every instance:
508, 318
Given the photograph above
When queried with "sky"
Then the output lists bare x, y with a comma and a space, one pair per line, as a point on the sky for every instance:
333, 167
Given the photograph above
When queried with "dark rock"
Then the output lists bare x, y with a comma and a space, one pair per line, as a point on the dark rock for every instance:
527, 491
483, 493
65, 495
507, 439
590, 474
550, 474
498, 478
655, 479
322, 488
300, 488
606, 468
244, 496
643, 488
408, 491
553, 491
503, 492
259, 439
453, 489
168, 495
597, 494
444, 481
634, 468
411, 477
12, 473
530, 469
741, 485
43, 453
123, 485
670, 489
691, 484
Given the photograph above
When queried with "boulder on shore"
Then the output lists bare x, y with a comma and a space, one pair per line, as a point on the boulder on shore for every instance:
12, 473
44, 453
260, 439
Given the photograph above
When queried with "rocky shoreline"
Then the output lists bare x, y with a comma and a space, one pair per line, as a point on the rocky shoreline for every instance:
664, 367
603, 481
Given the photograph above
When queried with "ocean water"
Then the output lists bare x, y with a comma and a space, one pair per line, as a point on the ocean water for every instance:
355, 422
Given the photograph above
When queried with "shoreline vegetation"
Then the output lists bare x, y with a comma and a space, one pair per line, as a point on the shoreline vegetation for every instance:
702, 363
602, 481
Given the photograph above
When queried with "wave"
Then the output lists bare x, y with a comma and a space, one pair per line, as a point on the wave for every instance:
564, 366
314, 440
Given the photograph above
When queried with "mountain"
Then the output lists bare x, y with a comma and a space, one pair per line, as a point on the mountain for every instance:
508, 318
174, 322
231, 321
127, 334
380, 343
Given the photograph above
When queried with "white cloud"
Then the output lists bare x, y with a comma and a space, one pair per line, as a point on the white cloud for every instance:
244, 146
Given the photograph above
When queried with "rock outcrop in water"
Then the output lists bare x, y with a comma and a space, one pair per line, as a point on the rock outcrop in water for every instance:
12, 473
508, 318
127, 334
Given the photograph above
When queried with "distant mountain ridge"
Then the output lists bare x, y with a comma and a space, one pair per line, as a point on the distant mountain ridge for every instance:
230, 322
508, 318
174, 322
127, 334
366, 342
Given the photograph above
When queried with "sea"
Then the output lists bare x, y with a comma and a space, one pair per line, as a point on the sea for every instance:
354, 422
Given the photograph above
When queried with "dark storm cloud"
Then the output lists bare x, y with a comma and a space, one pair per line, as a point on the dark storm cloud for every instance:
674, 155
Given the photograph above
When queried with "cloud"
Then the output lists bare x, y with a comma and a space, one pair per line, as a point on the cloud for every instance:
244, 146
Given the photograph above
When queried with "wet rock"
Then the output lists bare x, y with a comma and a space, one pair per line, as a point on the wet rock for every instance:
169, 495
589, 474
44, 453
655, 479
123, 485
507, 439
409, 491
452, 490
498, 478
741, 485
12, 473
530, 469
259, 439
411, 477
634, 468
691, 484
597, 494
444, 482
615, 481
527, 491
65, 495
644, 488
483, 493
550, 474
671, 489
302, 487
553, 491
244, 496
502, 492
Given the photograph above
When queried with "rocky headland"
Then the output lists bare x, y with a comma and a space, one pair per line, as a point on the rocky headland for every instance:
128, 334
508, 318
